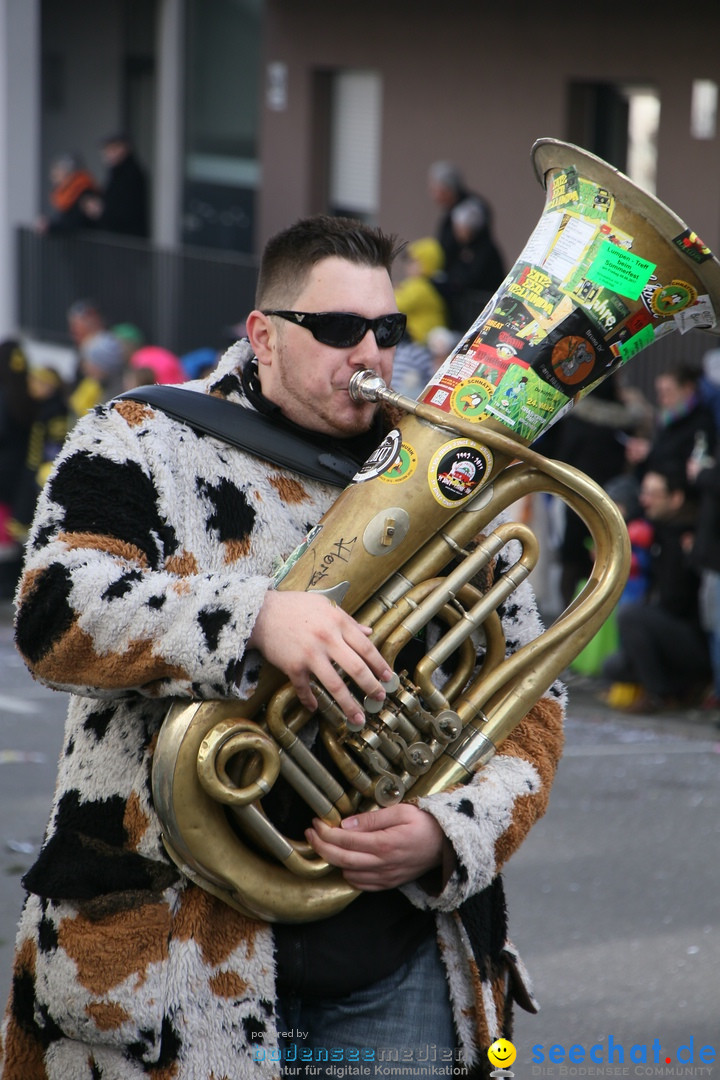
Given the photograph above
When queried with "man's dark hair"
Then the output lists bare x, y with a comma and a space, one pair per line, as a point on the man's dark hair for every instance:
290, 255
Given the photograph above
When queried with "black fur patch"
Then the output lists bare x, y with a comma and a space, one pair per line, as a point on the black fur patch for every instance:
211, 623
85, 857
98, 722
122, 586
108, 498
45, 614
233, 517
229, 384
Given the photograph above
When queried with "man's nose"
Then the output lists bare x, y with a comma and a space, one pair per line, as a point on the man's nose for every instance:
366, 351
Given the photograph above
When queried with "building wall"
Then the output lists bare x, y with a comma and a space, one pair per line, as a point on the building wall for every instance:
478, 83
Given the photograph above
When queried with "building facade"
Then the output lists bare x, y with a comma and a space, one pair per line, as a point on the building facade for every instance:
251, 113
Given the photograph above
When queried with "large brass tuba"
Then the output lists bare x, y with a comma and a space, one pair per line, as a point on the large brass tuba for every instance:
607, 270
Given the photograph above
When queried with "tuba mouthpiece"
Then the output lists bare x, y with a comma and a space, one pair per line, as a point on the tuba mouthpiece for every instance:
366, 385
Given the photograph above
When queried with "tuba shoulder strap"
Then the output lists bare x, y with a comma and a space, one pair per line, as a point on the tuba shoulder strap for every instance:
249, 431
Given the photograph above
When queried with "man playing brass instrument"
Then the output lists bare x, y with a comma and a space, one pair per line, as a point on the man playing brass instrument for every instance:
148, 577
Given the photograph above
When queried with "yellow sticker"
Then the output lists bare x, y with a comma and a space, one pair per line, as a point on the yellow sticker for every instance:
456, 471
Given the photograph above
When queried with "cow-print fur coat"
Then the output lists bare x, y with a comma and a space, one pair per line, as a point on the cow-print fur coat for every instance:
147, 564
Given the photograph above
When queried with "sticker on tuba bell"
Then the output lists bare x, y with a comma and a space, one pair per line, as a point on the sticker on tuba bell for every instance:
456, 471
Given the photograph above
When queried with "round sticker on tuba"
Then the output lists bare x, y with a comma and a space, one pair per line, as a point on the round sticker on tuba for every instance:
456, 471
382, 458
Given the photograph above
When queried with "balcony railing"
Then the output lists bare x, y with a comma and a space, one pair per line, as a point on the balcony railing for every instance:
181, 298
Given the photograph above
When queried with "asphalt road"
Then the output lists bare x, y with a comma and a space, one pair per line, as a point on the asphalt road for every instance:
613, 899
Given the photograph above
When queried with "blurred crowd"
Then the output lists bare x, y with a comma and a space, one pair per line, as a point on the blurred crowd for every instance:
658, 461
38, 406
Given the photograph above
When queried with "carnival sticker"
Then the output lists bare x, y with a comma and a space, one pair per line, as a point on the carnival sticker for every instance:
470, 398
672, 298
381, 458
403, 467
456, 469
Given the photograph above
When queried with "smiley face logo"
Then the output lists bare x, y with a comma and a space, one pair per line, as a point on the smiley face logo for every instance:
501, 1054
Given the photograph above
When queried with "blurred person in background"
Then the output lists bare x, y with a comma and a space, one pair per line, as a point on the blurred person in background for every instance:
416, 294
101, 357
70, 182
663, 649
49, 428
473, 267
682, 420
122, 205
17, 410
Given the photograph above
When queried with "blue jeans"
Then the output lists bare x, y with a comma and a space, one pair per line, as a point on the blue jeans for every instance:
403, 1020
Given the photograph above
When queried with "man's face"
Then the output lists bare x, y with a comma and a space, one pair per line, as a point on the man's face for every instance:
670, 393
309, 380
657, 502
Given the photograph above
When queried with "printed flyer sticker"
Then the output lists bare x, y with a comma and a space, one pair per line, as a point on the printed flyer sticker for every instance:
525, 403
455, 471
620, 270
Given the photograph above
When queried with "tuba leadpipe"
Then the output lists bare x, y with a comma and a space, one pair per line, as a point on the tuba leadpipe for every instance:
414, 543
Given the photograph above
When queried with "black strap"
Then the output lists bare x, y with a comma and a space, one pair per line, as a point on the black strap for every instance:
248, 430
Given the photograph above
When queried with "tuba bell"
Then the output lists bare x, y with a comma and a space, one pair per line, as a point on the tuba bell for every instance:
411, 541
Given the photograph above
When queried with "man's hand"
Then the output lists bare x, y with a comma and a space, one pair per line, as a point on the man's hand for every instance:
382, 848
306, 636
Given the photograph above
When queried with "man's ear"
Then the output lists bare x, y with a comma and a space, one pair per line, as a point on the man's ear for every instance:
261, 335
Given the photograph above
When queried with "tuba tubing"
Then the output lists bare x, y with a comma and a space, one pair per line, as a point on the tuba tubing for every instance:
607, 270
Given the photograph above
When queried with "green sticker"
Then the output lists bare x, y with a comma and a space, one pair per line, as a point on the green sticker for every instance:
620, 270
636, 343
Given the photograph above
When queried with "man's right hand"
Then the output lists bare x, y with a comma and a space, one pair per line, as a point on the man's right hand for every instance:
306, 636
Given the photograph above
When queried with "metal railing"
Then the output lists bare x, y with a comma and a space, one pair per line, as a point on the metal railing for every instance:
182, 298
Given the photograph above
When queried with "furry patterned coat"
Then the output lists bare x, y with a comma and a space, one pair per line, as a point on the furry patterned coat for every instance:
147, 564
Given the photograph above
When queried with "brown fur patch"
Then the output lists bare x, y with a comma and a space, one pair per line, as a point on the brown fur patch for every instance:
111, 545
217, 928
184, 565
22, 1058
236, 549
108, 952
290, 491
227, 984
135, 821
538, 738
134, 413
107, 1015
73, 659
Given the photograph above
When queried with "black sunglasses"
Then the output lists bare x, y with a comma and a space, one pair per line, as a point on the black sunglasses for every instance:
342, 330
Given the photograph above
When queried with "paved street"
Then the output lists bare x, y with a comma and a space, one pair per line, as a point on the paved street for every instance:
613, 899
